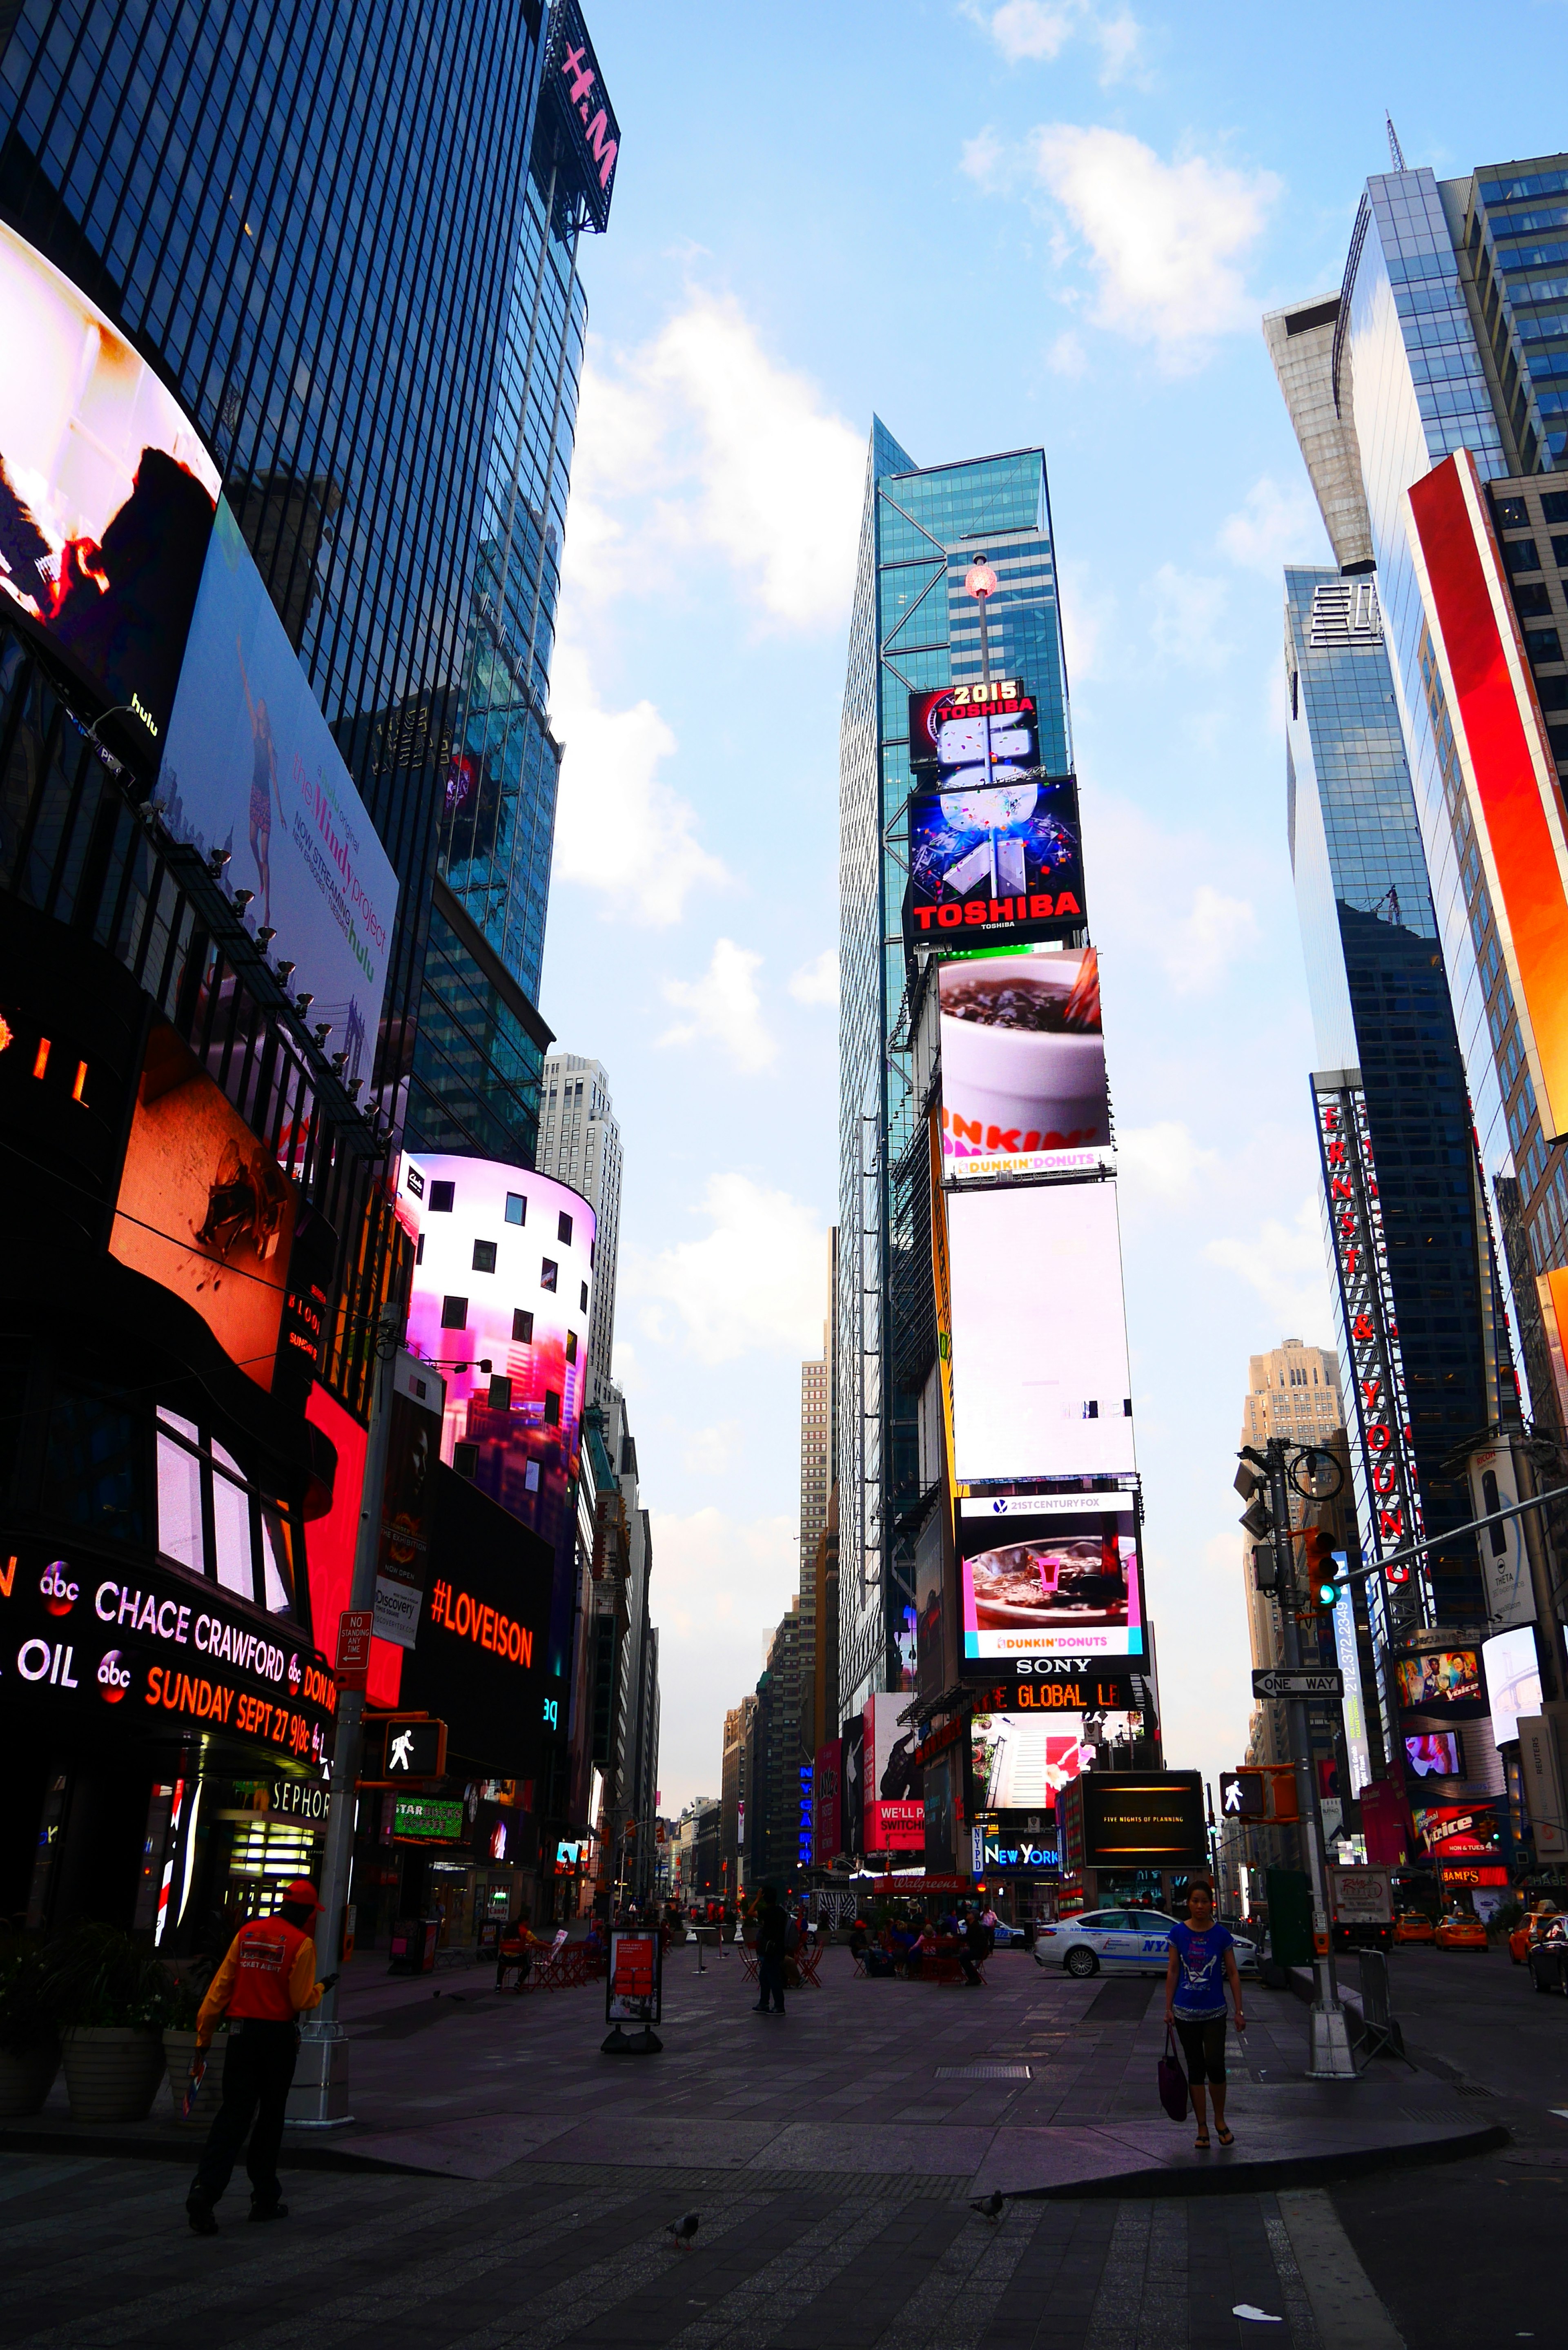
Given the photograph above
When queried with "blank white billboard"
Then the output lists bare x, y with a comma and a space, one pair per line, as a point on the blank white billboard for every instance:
1039, 1334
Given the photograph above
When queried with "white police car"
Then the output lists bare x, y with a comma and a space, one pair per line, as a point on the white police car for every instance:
1117, 1942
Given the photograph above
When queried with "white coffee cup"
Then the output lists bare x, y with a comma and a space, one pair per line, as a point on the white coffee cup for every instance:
1020, 1089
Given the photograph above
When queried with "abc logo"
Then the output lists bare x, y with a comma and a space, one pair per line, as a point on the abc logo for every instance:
59, 1592
113, 1678
294, 1673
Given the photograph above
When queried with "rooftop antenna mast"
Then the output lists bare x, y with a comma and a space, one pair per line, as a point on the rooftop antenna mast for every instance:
1396, 152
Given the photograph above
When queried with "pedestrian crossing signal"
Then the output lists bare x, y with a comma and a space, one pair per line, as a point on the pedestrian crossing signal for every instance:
1242, 1795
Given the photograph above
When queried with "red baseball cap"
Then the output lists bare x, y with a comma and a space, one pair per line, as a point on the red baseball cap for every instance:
302, 1892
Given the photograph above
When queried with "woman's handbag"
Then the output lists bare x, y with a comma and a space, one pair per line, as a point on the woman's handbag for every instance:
1172, 2080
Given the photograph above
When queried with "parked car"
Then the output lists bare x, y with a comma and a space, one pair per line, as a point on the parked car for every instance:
1413, 1926
1120, 1942
1548, 1965
1001, 1935
1460, 1932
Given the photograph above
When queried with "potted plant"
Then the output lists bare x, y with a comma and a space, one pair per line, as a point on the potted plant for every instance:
29, 2044
110, 1998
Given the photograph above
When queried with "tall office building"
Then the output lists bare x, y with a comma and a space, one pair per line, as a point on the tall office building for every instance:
1293, 1391
353, 434
816, 1382
579, 1144
477, 1062
912, 625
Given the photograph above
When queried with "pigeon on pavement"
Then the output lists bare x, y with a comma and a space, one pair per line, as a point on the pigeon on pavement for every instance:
990, 2206
685, 2228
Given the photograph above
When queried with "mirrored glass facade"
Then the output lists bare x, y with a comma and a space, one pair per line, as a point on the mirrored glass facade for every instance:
1380, 1005
912, 626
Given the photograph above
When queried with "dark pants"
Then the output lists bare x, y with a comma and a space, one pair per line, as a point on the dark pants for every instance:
258, 2067
970, 1966
769, 1979
1203, 2045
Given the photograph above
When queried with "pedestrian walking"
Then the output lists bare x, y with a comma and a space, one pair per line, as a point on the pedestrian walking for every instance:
1202, 1962
265, 1985
772, 1932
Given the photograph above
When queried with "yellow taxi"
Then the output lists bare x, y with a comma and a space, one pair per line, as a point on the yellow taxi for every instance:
1412, 1926
1460, 1932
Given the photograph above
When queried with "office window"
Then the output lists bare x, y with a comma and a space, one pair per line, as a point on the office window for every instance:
455, 1313
441, 1198
552, 1409
564, 1229
521, 1328
549, 1273
516, 1208
582, 1300
485, 1256
571, 1345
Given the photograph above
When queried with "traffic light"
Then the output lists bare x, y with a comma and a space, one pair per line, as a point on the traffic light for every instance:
1252, 1488
1318, 1569
1265, 1567
1241, 1794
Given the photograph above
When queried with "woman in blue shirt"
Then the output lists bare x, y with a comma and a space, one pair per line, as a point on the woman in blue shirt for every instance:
1202, 1962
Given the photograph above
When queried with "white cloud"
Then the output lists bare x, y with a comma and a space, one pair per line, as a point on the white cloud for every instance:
1162, 1162
1215, 933
723, 1009
1067, 357
619, 829
1274, 527
1087, 615
1187, 609
718, 1582
1284, 1264
753, 1282
988, 160
1037, 31
1165, 240
708, 1451
817, 982
704, 445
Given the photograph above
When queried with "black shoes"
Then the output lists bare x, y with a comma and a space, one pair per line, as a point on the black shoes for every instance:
269, 2210
199, 2214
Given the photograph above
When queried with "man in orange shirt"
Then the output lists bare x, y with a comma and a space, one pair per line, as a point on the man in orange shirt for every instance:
265, 1985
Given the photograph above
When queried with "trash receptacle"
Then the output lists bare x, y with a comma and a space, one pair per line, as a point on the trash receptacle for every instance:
413, 1946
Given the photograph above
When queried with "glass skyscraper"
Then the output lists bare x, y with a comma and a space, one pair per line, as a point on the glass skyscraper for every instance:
912, 626
1381, 1014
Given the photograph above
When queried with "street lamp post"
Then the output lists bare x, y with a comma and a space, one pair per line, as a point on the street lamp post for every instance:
980, 581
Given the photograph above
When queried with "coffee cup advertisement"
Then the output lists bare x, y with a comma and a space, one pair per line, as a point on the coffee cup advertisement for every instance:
1024, 1066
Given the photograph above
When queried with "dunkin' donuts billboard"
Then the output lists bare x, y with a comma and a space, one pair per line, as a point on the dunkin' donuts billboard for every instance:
1024, 1066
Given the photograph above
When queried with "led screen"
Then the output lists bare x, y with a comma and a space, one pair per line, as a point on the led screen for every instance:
1512, 1680
106, 495
1434, 1754
1457, 1828
1021, 1762
1039, 1334
203, 1209
503, 1276
1446, 1675
250, 766
1024, 1065
975, 733
894, 1783
997, 866
1050, 1575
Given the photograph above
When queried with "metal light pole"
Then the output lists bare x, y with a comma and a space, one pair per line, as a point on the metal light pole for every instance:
980, 581
1331, 2058
319, 2098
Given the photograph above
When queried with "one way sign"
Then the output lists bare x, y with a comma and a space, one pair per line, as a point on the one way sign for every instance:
1286, 1680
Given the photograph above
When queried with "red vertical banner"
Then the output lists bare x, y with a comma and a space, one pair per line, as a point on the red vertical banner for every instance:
1505, 756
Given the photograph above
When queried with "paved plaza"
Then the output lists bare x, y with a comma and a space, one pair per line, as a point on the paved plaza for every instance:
832, 2157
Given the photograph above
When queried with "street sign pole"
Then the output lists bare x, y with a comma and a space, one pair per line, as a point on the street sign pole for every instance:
319, 2098
1331, 2057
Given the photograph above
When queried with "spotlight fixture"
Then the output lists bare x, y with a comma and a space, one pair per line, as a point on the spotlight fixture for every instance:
285, 973
302, 1003
323, 1030
264, 937
241, 899
216, 862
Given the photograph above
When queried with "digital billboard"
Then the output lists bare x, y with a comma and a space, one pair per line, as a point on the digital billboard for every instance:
503, 1276
402, 1549
1457, 1828
977, 733
106, 497
1434, 1754
1504, 1560
1150, 1817
1512, 1680
1051, 1575
203, 1209
998, 866
1444, 1675
1505, 758
1039, 1334
1024, 1065
480, 1659
250, 765
1021, 1760
894, 1783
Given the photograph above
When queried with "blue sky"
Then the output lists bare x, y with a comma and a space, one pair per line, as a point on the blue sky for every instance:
997, 225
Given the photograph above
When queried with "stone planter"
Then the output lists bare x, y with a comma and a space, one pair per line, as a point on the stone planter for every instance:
113, 2071
179, 2047
26, 2079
